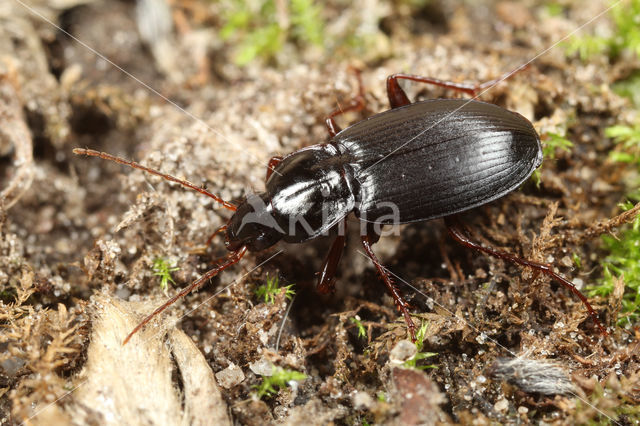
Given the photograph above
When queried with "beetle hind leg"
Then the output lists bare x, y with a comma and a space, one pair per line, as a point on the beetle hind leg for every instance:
402, 305
459, 233
398, 97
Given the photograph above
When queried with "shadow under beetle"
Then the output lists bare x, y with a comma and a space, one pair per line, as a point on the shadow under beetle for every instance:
430, 159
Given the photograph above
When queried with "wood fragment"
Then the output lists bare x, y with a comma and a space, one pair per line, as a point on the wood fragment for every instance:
14, 131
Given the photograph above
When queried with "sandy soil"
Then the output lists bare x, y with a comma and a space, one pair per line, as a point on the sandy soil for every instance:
79, 236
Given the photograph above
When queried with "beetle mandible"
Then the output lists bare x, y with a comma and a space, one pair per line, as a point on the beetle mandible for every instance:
429, 159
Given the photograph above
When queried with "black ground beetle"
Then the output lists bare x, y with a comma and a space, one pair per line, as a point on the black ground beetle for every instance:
414, 162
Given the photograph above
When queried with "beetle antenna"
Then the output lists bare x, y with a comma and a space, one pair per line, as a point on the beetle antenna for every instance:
183, 182
230, 260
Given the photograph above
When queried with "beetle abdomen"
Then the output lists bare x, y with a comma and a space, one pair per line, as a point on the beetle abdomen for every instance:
439, 157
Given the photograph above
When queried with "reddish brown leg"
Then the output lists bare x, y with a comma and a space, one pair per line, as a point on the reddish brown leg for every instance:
402, 305
398, 97
326, 278
232, 259
460, 234
273, 163
356, 103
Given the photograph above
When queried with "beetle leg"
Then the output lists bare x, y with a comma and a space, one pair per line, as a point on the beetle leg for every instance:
460, 234
398, 97
326, 279
356, 103
402, 305
273, 163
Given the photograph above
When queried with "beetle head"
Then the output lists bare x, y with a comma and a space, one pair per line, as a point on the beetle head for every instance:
253, 225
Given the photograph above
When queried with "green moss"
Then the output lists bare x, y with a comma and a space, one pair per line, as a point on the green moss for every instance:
554, 9
279, 378
306, 20
362, 331
555, 142
623, 262
586, 46
627, 151
163, 269
576, 260
629, 88
551, 144
625, 36
256, 29
419, 356
628, 140
626, 17
270, 290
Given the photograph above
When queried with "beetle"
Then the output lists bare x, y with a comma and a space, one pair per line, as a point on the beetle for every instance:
414, 162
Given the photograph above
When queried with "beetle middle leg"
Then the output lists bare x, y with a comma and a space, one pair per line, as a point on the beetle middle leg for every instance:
367, 241
398, 97
460, 234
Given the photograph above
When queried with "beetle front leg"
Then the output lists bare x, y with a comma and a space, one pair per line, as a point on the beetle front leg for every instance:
402, 305
460, 234
326, 277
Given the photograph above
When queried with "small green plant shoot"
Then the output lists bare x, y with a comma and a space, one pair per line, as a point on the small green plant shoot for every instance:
551, 142
628, 140
163, 269
280, 378
256, 29
270, 290
362, 331
419, 356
